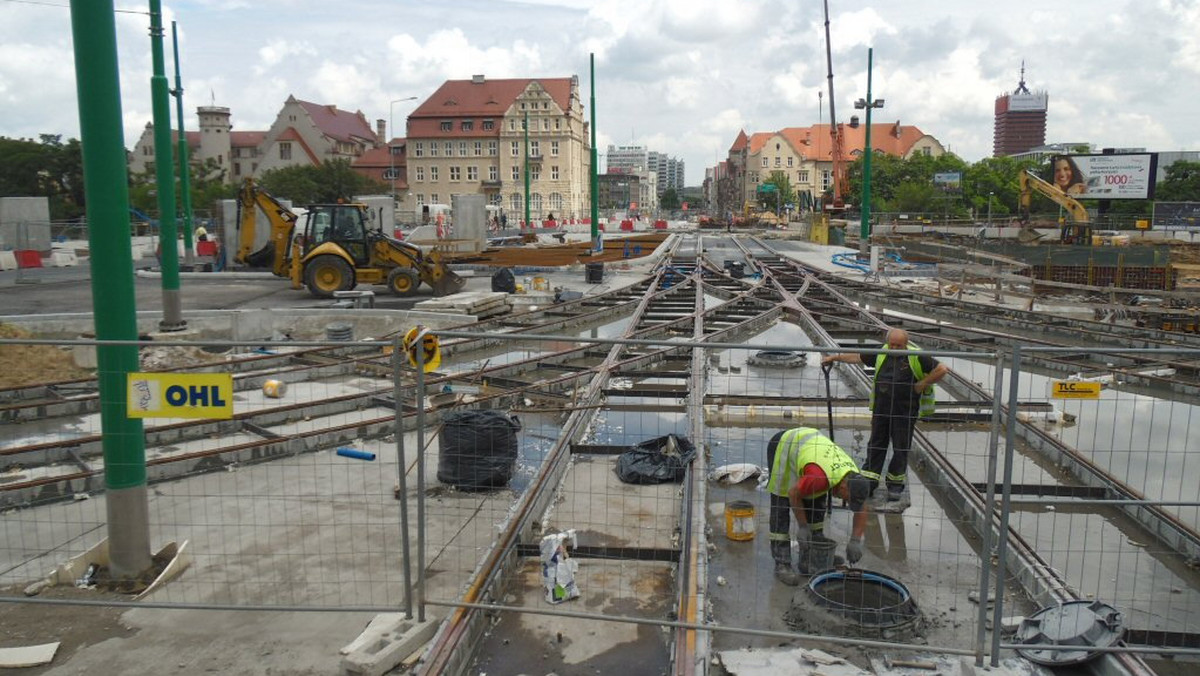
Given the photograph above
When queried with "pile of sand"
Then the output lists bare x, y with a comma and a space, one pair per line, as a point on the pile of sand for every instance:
32, 364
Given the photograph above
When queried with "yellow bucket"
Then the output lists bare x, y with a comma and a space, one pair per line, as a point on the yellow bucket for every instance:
274, 388
739, 520
540, 284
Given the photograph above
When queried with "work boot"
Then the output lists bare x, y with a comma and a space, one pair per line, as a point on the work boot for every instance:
781, 552
785, 574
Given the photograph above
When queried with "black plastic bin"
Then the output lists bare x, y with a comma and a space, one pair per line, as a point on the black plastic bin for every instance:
594, 273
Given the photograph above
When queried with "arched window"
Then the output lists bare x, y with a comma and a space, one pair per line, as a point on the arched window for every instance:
535, 205
516, 204
556, 202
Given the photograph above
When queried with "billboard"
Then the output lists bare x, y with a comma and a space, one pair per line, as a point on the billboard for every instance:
948, 181
1177, 216
1104, 177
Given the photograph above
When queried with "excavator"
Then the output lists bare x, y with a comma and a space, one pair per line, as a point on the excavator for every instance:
1077, 232
335, 249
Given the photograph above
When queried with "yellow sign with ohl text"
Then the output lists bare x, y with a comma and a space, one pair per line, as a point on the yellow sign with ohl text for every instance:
180, 395
1073, 389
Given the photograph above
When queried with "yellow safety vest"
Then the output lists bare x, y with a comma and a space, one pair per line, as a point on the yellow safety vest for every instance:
801, 446
928, 397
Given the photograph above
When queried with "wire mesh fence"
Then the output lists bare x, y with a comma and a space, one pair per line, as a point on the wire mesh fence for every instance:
562, 474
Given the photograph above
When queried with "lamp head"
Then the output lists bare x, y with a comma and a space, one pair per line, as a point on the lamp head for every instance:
860, 104
878, 103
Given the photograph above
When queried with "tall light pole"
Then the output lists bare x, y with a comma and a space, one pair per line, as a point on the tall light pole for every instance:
868, 103
990, 193
391, 152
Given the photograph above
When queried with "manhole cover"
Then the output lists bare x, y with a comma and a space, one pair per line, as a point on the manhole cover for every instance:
863, 598
1087, 624
778, 358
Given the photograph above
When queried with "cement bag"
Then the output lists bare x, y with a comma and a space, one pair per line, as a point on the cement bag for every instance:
504, 281
478, 449
558, 569
657, 461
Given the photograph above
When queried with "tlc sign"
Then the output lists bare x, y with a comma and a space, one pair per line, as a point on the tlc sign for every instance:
180, 395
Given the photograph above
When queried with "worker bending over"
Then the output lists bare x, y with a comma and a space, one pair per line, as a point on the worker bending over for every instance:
806, 467
901, 392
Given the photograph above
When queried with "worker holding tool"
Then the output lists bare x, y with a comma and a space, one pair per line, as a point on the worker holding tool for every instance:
806, 468
901, 393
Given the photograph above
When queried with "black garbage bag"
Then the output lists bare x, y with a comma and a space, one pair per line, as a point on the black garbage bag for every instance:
478, 449
504, 281
657, 461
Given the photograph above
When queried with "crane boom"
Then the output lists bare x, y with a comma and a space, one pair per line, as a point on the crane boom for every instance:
1030, 183
836, 149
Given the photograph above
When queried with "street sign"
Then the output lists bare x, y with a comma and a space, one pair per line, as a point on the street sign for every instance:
1073, 389
180, 395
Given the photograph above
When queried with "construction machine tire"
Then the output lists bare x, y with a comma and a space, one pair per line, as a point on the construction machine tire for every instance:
403, 282
325, 274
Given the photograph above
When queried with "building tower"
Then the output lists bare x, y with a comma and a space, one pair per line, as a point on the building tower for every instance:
1020, 120
215, 143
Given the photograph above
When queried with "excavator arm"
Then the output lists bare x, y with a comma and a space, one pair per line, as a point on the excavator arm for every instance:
251, 198
1030, 184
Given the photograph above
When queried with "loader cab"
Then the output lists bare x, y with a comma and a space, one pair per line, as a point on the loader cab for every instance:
341, 224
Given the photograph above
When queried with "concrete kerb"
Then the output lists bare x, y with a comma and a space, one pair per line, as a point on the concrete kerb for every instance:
388, 639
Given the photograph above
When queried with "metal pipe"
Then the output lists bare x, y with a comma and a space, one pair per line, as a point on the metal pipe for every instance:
185, 183
401, 463
1005, 504
418, 342
985, 547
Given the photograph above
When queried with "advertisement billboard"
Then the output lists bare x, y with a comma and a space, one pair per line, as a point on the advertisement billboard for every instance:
948, 181
1176, 216
1104, 177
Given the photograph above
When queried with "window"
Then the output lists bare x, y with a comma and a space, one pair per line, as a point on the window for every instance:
237, 169
926, 151
522, 106
472, 173
764, 161
493, 173
467, 125
778, 162
512, 125
516, 148
447, 125
545, 125
557, 124
396, 150
515, 203
420, 173
545, 106
535, 203
494, 199
790, 162
516, 173
535, 149
492, 148
449, 148
420, 199
554, 173
462, 148
291, 118
391, 173
554, 149
285, 151
488, 125
433, 173
455, 173
478, 148
535, 174
419, 149
556, 201
433, 199
433, 149
253, 167
802, 176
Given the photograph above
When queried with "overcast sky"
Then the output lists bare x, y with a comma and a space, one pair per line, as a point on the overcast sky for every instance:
678, 76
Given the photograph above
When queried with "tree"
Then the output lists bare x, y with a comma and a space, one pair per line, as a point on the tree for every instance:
779, 193
45, 168
1181, 183
669, 200
329, 182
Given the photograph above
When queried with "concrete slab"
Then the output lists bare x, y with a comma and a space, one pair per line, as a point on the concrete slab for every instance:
27, 656
773, 661
387, 640
606, 512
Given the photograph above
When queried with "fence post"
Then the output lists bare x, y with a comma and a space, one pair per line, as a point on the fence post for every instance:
419, 342
402, 463
1005, 502
985, 551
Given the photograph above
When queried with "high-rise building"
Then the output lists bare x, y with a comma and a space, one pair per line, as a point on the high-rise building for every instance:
625, 159
1020, 120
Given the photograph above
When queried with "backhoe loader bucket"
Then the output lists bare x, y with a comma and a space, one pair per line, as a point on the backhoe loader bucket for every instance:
445, 282
263, 258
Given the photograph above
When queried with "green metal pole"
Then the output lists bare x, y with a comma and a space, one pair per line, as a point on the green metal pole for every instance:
597, 244
185, 189
865, 227
528, 224
165, 177
106, 191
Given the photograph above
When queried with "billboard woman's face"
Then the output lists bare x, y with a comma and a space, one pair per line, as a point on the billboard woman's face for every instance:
1062, 173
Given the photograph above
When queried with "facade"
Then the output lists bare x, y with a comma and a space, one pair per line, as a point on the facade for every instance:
387, 164
1020, 122
669, 171
626, 159
619, 191
469, 137
804, 155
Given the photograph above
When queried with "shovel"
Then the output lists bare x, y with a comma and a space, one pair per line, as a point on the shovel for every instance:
828, 396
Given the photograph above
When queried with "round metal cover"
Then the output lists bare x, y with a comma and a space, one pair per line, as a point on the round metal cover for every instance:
1087, 624
863, 597
778, 358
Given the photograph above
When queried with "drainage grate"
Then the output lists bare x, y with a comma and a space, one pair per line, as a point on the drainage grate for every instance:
863, 598
339, 331
778, 358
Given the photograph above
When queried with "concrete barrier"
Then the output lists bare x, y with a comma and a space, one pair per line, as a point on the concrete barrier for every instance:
63, 259
8, 260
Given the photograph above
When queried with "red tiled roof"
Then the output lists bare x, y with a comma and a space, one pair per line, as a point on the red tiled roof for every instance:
245, 139
814, 143
339, 124
758, 140
379, 157
739, 143
458, 98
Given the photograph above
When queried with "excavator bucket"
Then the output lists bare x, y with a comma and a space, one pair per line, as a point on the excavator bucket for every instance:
446, 282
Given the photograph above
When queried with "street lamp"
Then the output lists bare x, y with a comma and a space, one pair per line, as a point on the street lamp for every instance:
392, 152
990, 193
868, 103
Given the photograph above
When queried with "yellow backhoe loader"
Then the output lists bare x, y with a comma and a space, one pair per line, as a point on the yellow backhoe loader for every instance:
1077, 232
329, 247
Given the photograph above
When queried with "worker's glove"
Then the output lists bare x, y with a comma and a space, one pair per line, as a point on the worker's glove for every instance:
854, 550
804, 535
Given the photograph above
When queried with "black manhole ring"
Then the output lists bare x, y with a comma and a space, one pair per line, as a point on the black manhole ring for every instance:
778, 358
863, 597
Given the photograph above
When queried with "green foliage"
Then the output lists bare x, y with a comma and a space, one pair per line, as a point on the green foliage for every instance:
669, 199
45, 168
779, 192
329, 182
1181, 183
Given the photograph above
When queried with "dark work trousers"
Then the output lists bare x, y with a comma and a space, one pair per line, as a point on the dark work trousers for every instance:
889, 425
780, 517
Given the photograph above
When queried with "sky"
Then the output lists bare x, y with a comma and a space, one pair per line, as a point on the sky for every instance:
681, 77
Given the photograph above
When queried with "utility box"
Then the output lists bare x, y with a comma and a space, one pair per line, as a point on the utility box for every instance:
470, 220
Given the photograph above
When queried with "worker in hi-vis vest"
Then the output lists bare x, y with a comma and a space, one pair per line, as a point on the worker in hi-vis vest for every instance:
902, 392
806, 468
